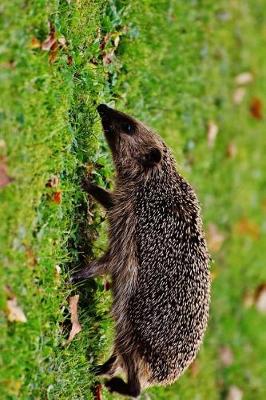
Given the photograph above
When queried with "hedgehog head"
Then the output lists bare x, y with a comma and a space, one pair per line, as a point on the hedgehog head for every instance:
136, 150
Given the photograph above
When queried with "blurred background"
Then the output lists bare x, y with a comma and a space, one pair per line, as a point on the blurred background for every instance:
193, 70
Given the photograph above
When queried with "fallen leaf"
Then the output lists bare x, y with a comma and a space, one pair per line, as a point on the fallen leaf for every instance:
62, 42
108, 57
51, 39
108, 45
53, 53
52, 182
260, 298
31, 257
239, 95
231, 150
212, 131
104, 41
76, 327
234, 393
69, 60
226, 356
35, 43
245, 227
215, 238
4, 178
14, 311
57, 197
98, 392
244, 78
255, 108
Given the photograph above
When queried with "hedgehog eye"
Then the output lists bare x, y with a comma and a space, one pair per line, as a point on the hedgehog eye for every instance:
128, 128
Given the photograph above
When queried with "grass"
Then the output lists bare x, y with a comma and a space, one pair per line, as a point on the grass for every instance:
174, 68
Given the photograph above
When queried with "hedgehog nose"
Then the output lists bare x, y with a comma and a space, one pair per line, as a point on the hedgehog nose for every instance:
102, 109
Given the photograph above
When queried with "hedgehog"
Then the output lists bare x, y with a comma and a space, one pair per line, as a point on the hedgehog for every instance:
157, 259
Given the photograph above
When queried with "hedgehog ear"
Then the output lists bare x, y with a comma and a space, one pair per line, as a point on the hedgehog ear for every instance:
151, 158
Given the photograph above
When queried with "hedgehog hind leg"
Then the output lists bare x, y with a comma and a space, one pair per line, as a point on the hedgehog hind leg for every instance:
108, 368
132, 388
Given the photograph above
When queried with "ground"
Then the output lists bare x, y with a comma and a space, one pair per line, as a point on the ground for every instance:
173, 65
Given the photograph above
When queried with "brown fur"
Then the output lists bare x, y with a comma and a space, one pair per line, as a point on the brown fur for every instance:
157, 258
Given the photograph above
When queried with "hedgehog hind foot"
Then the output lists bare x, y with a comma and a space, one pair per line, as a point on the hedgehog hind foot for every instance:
131, 389
108, 368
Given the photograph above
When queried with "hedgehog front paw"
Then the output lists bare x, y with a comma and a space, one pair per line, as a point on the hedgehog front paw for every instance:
114, 384
87, 185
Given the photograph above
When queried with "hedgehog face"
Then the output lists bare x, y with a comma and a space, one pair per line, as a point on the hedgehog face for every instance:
135, 148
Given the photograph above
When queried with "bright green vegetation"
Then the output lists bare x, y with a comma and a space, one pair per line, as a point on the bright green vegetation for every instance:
175, 69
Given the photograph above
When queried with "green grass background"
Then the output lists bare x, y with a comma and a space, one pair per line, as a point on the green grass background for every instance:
175, 69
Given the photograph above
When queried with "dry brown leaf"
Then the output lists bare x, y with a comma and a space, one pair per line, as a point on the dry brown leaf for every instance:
215, 238
212, 131
226, 356
31, 257
48, 43
234, 393
244, 78
255, 108
98, 392
76, 327
51, 38
52, 182
57, 197
69, 60
104, 41
53, 53
35, 43
239, 95
62, 42
14, 311
108, 57
231, 150
108, 54
260, 298
246, 227
4, 178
